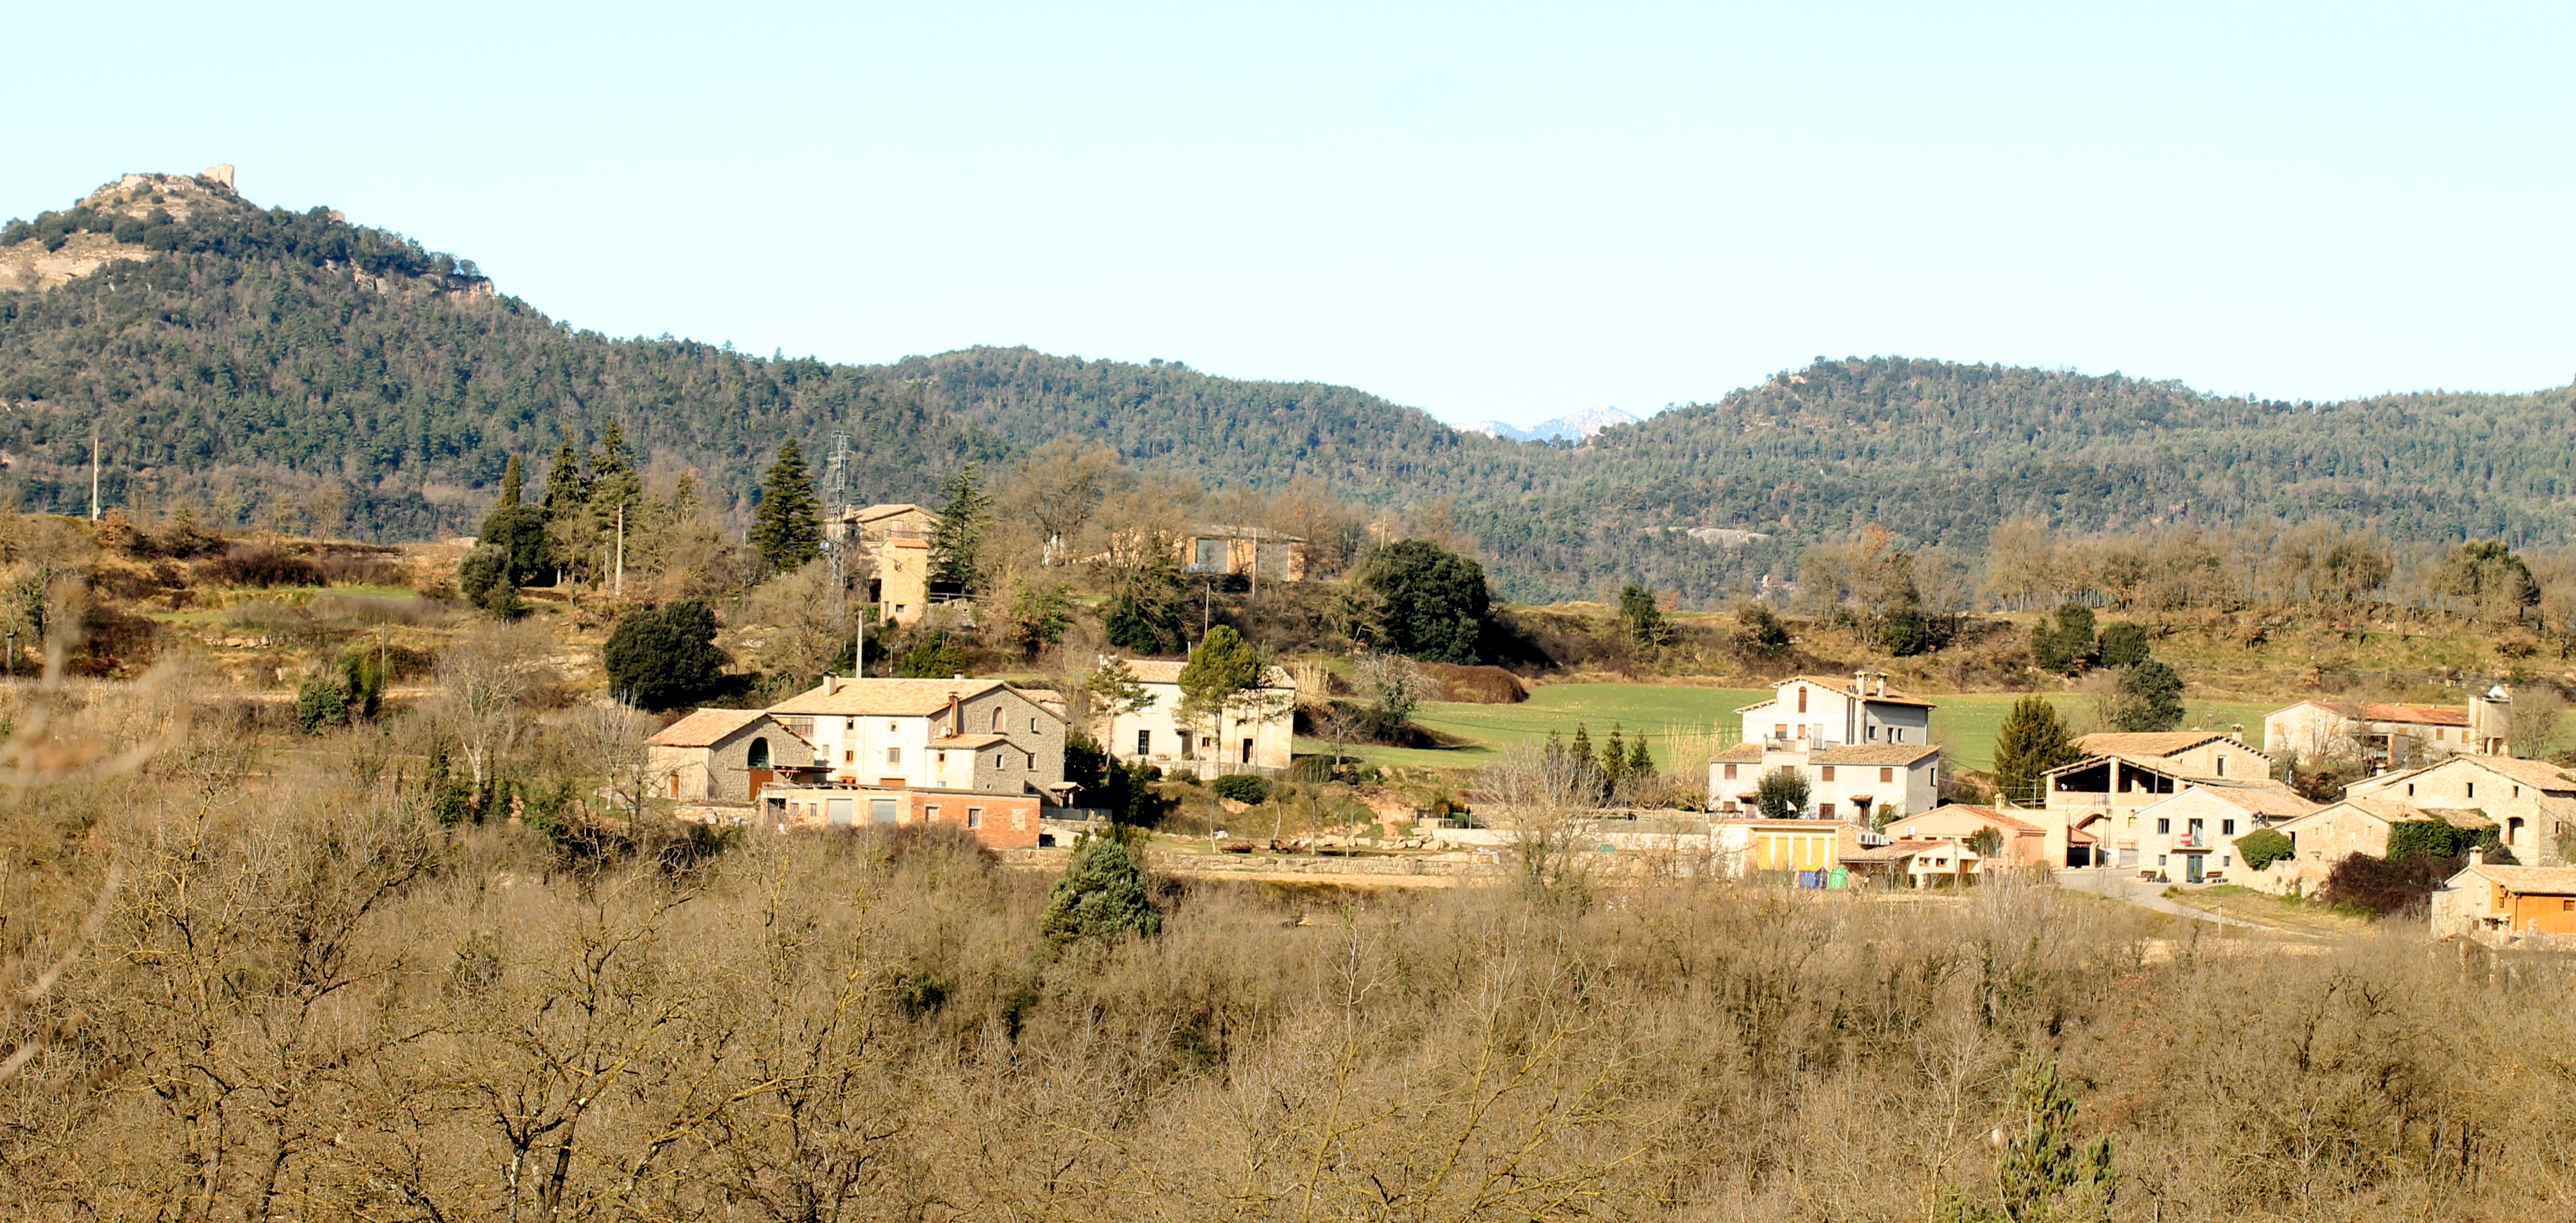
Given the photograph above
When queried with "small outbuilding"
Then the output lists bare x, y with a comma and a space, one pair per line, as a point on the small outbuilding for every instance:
725, 755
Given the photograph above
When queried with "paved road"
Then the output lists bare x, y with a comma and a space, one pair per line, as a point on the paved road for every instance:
2125, 885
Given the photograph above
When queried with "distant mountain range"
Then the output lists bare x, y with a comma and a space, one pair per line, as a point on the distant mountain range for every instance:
1578, 425
290, 367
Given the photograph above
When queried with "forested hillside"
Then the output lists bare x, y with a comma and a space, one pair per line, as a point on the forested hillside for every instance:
270, 366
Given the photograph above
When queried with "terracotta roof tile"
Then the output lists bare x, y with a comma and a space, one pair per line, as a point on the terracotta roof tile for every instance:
1875, 753
2529, 880
708, 727
883, 697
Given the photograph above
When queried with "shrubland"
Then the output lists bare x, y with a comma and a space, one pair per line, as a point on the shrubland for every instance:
306, 996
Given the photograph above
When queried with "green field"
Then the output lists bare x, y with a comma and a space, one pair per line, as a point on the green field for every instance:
1685, 723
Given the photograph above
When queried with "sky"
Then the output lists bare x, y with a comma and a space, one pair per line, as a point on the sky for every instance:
1483, 210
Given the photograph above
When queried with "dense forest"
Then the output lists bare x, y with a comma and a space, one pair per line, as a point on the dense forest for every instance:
267, 366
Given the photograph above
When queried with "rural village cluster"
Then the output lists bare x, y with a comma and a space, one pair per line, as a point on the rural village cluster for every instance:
987, 756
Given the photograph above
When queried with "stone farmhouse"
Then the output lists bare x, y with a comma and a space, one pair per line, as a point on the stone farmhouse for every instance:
2024, 844
2389, 736
1261, 742
724, 755
2328, 835
1257, 554
2532, 802
2496, 903
2191, 836
978, 735
1843, 782
1817, 712
2122, 773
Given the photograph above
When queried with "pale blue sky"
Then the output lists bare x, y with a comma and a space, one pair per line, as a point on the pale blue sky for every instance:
1483, 210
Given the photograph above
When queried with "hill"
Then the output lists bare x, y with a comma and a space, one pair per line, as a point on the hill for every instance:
294, 369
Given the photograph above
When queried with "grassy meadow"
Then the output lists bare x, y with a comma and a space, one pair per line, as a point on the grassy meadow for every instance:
1685, 723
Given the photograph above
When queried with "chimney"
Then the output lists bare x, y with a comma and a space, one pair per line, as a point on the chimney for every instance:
1882, 684
2477, 857
831, 684
1860, 683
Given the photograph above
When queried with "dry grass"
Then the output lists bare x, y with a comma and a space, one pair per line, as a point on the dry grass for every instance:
309, 1000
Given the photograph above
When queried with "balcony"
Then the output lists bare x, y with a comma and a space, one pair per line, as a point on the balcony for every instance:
2194, 838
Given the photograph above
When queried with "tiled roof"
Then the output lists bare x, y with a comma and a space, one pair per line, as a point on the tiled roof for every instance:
2422, 715
1741, 753
708, 727
2460, 817
1888, 853
2538, 774
2164, 767
1843, 685
1875, 753
969, 742
1988, 814
2530, 880
883, 697
2273, 800
2150, 743
1156, 671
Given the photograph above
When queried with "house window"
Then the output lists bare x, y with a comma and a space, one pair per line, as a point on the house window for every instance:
2133, 821
1144, 742
997, 719
849, 755
1033, 761
2410, 789
930, 815
2222, 859
2227, 828
758, 756
2164, 827
889, 728
1033, 726
1886, 776
1828, 772
943, 758
2222, 766
997, 760
850, 725
894, 755
2472, 788
974, 817
1802, 698
1730, 772
1780, 730
2160, 859
1870, 732
1896, 734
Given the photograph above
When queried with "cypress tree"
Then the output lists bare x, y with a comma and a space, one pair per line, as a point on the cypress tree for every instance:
2032, 741
511, 481
957, 543
1641, 763
787, 529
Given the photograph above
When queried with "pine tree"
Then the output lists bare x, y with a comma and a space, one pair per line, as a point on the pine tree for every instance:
957, 543
2040, 1173
1641, 763
1614, 763
566, 489
2032, 741
1578, 756
512, 479
1102, 897
787, 529
613, 478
